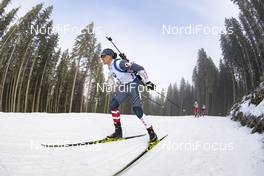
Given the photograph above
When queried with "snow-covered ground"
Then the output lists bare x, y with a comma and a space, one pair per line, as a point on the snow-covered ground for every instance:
251, 109
209, 146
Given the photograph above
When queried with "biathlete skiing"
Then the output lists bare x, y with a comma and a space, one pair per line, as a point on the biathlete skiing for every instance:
127, 74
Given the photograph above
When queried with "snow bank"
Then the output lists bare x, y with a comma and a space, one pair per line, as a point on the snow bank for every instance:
250, 110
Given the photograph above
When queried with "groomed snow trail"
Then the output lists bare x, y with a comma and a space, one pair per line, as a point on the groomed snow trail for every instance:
207, 146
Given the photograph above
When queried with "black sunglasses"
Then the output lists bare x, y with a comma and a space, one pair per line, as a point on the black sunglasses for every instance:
103, 55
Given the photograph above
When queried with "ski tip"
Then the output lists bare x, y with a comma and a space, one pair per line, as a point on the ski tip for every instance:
50, 146
45, 145
163, 137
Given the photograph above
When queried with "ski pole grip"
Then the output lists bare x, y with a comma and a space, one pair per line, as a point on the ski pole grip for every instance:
109, 38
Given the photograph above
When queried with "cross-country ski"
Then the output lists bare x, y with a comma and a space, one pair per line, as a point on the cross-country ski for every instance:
105, 140
148, 148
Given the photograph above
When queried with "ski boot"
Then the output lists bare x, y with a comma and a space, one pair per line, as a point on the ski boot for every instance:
118, 131
152, 135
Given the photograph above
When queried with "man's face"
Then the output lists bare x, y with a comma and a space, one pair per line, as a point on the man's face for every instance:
106, 59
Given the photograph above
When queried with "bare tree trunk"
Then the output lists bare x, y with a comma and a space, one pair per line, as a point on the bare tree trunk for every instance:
105, 103
95, 105
17, 81
40, 86
65, 104
96, 93
34, 97
88, 93
28, 84
87, 100
19, 106
11, 96
73, 85
58, 99
21, 82
81, 104
8, 93
5, 74
234, 88
56, 102
49, 98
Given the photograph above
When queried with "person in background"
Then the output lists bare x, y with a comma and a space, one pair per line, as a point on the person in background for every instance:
203, 110
196, 109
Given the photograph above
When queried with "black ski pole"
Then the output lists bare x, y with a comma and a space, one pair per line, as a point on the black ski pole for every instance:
122, 55
153, 101
169, 100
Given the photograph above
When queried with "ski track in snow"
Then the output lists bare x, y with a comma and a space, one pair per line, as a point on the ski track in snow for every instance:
206, 146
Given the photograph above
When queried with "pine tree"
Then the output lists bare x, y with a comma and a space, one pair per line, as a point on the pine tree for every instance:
86, 55
168, 105
3, 5
6, 20
12, 49
205, 76
61, 82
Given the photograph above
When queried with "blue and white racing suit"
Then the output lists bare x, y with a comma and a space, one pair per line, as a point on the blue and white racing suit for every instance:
124, 72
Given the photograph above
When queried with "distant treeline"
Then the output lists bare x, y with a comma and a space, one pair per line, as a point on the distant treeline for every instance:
36, 76
241, 68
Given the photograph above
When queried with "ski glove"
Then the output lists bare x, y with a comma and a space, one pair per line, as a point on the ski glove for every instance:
150, 86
